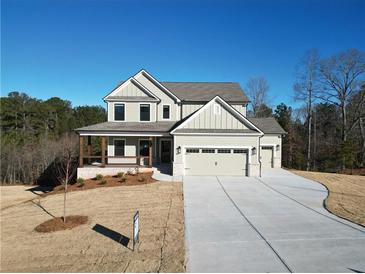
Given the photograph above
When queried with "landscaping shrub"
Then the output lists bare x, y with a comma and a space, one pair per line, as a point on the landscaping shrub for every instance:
120, 174
81, 182
103, 182
123, 179
99, 176
141, 179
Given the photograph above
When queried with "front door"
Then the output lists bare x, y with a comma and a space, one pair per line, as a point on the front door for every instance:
166, 151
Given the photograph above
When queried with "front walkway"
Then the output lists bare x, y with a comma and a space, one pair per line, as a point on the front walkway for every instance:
271, 224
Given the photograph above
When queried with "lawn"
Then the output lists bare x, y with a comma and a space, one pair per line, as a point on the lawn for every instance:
102, 244
346, 194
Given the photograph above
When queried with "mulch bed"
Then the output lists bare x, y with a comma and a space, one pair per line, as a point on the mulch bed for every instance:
57, 224
109, 181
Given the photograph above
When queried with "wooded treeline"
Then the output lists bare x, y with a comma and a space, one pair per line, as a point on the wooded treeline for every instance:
33, 132
327, 133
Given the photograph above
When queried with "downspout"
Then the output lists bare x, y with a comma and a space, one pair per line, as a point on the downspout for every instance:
259, 155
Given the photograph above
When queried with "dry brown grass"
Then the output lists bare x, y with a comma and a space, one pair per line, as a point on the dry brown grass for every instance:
86, 249
346, 194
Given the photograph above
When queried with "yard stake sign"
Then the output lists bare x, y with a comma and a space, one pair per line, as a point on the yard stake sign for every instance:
135, 229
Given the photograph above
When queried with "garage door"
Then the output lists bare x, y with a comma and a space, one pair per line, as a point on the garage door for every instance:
215, 161
266, 156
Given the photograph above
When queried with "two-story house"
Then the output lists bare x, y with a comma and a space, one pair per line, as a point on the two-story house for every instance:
196, 128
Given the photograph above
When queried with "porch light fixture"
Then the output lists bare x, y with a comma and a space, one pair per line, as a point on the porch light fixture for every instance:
178, 150
253, 150
277, 147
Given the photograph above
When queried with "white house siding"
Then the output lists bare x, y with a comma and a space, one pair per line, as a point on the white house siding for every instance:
241, 109
184, 141
208, 119
273, 139
165, 99
129, 90
131, 111
188, 109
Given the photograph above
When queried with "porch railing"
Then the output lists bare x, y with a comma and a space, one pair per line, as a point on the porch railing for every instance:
123, 160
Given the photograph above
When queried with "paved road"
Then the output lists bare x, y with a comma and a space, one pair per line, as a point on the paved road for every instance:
273, 224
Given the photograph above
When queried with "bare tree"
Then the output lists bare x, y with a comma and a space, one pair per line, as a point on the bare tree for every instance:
305, 88
341, 75
257, 90
67, 164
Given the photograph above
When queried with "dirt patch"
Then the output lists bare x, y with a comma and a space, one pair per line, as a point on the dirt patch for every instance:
57, 224
104, 243
108, 181
346, 194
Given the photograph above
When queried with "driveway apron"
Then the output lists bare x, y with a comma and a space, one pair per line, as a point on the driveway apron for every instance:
276, 223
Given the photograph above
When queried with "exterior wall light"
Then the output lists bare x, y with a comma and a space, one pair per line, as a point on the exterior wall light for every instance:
254, 151
277, 147
178, 150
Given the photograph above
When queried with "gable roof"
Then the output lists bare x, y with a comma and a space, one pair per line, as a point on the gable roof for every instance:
206, 91
268, 125
125, 83
157, 84
234, 112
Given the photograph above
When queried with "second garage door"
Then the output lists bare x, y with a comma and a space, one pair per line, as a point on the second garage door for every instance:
215, 161
266, 156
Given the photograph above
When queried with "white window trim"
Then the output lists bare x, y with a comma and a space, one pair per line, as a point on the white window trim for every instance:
166, 119
139, 145
125, 145
125, 111
139, 112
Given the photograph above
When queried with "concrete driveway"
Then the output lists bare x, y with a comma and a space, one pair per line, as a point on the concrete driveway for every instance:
276, 223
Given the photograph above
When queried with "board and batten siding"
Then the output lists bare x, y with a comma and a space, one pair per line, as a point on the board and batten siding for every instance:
165, 99
131, 111
207, 119
129, 90
188, 109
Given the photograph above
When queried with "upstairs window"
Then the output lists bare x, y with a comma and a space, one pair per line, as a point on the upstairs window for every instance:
144, 112
119, 112
166, 112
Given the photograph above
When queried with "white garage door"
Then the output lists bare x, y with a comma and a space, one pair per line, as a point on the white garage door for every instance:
215, 161
267, 156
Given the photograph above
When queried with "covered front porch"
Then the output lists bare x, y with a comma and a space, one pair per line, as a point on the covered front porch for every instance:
108, 155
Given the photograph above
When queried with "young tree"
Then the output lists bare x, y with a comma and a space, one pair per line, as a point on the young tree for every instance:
257, 90
67, 164
305, 88
341, 75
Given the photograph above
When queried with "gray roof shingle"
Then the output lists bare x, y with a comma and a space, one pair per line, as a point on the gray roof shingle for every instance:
205, 91
129, 126
268, 125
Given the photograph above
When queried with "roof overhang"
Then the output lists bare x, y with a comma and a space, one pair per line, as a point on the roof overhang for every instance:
228, 106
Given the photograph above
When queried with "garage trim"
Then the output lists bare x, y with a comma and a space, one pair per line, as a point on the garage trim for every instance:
248, 148
270, 145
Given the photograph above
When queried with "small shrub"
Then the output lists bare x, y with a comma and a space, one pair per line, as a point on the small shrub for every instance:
99, 176
123, 179
141, 179
120, 174
103, 182
81, 182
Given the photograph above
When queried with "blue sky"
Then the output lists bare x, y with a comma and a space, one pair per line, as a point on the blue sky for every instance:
79, 50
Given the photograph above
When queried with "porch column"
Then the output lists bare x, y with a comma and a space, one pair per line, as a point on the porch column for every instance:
103, 150
89, 151
150, 152
81, 154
